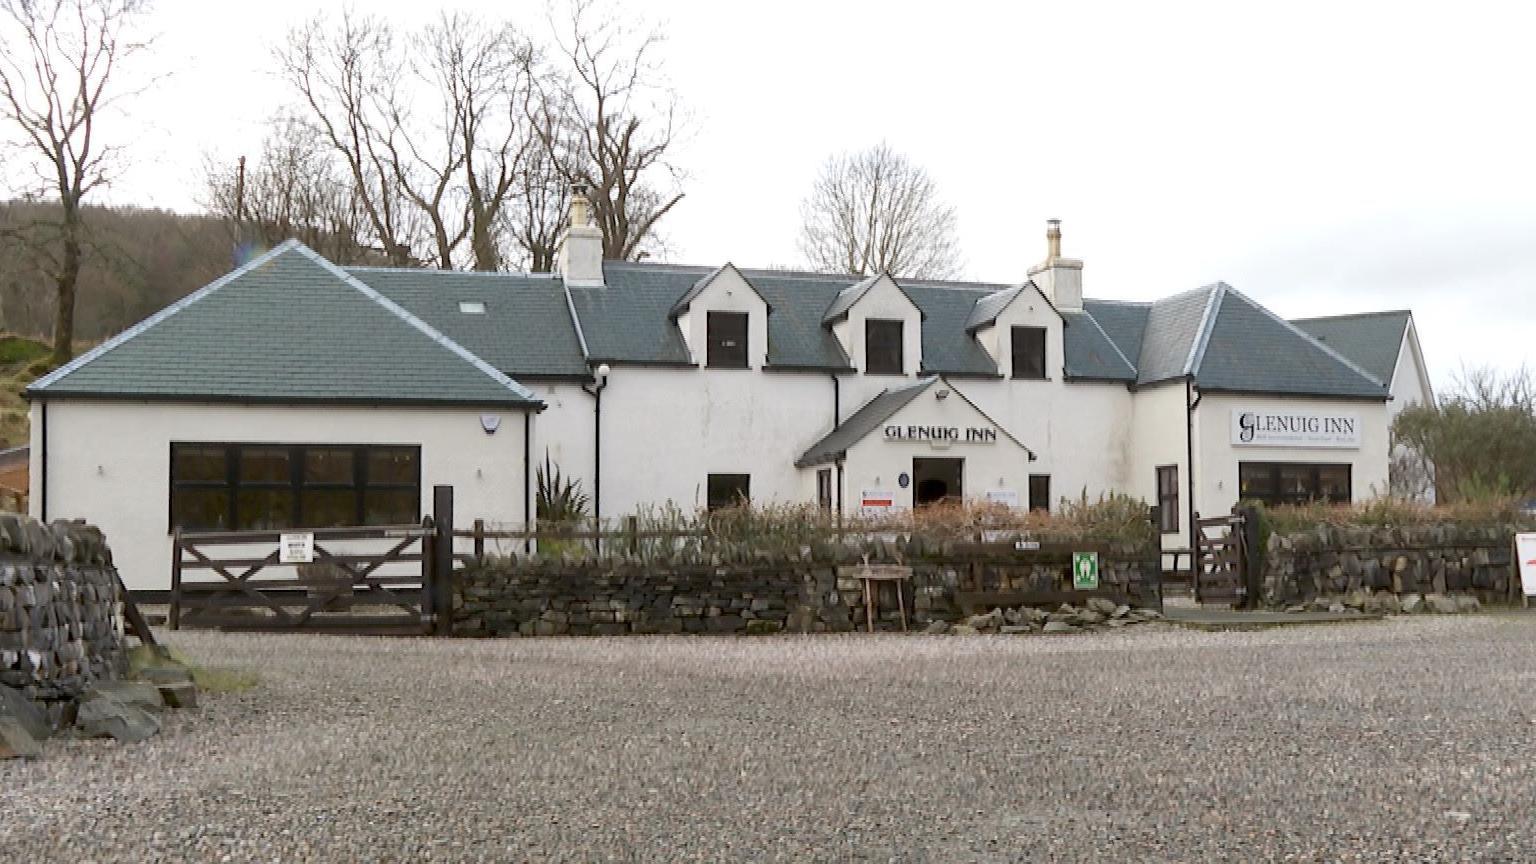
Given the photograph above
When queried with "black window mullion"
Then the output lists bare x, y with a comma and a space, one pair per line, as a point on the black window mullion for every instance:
360, 481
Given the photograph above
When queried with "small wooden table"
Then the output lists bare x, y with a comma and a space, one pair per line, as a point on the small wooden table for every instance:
870, 573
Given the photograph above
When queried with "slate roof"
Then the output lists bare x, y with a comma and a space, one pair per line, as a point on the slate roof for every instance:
1227, 342
526, 326
287, 327
399, 335
863, 421
1373, 340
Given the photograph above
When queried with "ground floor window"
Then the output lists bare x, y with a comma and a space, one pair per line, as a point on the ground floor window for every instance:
824, 489
1294, 482
1040, 492
1168, 498
271, 487
729, 490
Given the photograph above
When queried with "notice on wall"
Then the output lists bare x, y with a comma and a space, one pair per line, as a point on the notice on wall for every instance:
1282, 428
296, 548
1006, 497
1085, 571
873, 502
1525, 557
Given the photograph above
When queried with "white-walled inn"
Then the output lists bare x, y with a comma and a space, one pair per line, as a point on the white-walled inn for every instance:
296, 393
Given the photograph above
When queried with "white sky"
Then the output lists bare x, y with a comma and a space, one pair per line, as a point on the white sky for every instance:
1320, 157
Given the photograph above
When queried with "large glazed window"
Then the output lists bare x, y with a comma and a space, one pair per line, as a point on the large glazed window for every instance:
1294, 482
882, 347
273, 487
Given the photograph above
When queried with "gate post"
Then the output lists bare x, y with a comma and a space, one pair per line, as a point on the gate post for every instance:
1253, 556
442, 560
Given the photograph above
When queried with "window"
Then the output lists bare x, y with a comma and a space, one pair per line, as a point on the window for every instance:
472, 307
1029, 352
1294, 482
882, 347
727, 340
1040, 492
1168, 498
729, 490
274, 487
824, 489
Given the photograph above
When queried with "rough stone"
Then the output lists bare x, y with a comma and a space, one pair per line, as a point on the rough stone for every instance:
1059, 627
1015, 629
1120, 611
15, 705
1467, 603
180, 695
16, 742
1411, 603
764, 626
937, 628
1102, 605
122, 721
1440, 604
964, 630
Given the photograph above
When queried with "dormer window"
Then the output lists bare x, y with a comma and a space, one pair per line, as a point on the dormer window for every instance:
726, 339
883, 347
1028, 351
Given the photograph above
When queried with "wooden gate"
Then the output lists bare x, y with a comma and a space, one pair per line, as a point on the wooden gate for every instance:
1221, 560
374, 580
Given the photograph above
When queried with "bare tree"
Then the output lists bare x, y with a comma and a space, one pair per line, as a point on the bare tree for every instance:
58, 59
876, 212
606, 121
296, 189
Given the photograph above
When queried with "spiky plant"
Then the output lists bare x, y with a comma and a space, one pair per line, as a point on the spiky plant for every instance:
560, 498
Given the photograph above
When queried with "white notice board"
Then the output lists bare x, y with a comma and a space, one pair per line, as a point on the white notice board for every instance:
1525, 559
296, 548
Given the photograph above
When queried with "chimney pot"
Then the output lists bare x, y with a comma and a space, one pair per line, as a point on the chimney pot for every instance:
1052, 239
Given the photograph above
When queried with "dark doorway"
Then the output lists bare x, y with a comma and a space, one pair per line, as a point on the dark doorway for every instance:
935, 480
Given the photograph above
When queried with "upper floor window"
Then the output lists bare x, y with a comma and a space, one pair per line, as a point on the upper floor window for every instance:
1029, 352
727, 340
883, 348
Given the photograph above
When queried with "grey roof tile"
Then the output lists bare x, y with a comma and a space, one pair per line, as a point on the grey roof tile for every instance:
526, 329
1173, 326
1250, 349
288, 327
989, 307
863, 421
1373, 340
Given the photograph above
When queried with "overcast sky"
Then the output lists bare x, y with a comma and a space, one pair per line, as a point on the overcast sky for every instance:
1320, 157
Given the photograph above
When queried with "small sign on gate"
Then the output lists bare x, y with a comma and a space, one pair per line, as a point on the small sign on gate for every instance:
1085, 571
296, 548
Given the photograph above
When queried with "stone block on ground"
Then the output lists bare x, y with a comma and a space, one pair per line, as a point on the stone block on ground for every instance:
123, 721
139, 694
1411, 603
16, 742
1058, 627
1467, 603
937, 628
180, 695
1102, 605
1440, 604
15, 705
763, 626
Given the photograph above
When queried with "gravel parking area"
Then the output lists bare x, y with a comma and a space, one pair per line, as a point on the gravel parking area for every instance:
1402, 740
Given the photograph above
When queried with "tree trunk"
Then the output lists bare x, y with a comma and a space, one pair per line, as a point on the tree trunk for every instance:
64, 285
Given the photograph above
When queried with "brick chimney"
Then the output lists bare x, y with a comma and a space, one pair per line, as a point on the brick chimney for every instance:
580, 258
1060, 279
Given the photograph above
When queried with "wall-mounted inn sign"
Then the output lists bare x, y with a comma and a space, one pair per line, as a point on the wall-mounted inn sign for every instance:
1255, 428
942, 434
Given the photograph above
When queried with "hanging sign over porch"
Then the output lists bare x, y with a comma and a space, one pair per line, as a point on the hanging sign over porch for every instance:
296, 548
1283, 428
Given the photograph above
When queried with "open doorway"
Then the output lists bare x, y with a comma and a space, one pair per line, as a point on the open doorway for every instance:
935, 480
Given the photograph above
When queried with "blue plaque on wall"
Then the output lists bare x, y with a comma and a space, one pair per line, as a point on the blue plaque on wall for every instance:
903, 480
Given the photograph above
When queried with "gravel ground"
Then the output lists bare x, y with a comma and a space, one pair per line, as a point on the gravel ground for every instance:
1403, 740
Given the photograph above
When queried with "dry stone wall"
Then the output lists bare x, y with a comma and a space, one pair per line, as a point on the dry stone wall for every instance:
808, 594
60, 611
1420, 561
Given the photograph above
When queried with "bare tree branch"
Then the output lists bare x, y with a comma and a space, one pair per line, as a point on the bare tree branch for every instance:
876, 212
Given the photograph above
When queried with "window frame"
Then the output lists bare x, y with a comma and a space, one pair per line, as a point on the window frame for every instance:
744, 488
717, 355
1013, 353
898, 354
1032, 505
1313, 474
296, 484
824, 490
1168, 499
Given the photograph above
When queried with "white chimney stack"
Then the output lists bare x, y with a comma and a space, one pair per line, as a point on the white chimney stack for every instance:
1060, 279
580, 259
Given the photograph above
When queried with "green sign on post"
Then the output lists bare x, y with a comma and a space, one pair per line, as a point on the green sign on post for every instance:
1085, 571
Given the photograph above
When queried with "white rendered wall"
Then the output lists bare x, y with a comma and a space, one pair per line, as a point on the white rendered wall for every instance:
727, 292
885, 300
1160, 422
109, 462
1216, 457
